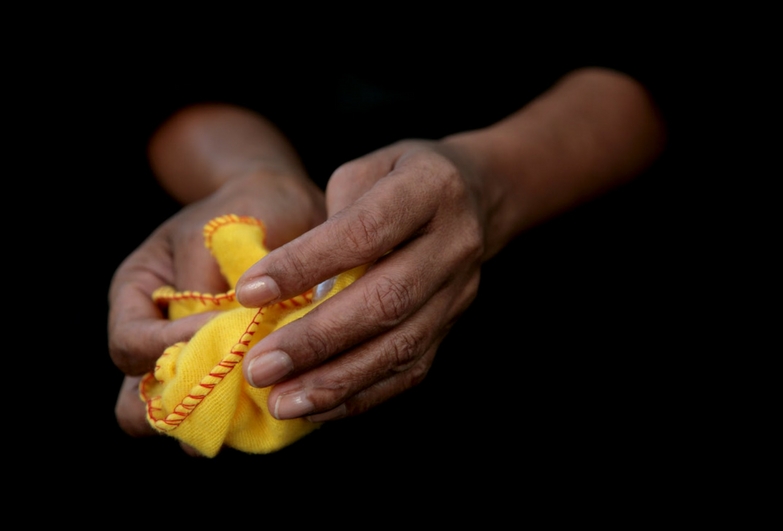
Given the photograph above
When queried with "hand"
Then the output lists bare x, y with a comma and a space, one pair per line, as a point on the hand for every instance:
416, 211
175, 255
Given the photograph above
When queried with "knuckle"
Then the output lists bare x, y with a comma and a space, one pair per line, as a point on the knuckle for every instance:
416, 372
318, 343
346, 173
328, 392
134, 351
470, 291
364, 233
390, 300
368, 398
448, 179
386, 388
442, 174
402, 354
455, 191
294, 264
473, 240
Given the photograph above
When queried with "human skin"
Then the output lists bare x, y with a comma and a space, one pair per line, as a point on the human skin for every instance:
215, 159
426, 214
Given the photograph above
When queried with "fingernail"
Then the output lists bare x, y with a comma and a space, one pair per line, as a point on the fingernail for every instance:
257, 292
323, 289
292, 405
268, 368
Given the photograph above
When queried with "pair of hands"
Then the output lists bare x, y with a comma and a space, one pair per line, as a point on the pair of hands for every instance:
414, 210
424, 214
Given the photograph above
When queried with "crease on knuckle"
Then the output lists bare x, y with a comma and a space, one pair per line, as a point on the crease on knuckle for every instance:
328, 393
402, 355
318, 342
364, 234
390, 300
294, 262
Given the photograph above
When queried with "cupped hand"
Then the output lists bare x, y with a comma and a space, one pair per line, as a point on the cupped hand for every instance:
417, 212
175, 255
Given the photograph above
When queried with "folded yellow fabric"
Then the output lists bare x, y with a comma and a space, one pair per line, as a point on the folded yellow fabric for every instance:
197, 392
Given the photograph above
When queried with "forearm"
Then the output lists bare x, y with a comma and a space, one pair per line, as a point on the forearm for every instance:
202, 147
592, 131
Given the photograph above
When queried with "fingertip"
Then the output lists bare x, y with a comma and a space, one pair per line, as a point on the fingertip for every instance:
268, 368
257, 292
292, 405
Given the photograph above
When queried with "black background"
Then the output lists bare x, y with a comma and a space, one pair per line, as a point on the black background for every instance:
574, 363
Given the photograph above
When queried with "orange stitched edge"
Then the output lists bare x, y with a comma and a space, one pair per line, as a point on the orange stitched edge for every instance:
216, 223
153, 403
168, 294
297, 301
200, 391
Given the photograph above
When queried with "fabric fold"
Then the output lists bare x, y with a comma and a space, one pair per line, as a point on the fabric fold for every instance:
197, 392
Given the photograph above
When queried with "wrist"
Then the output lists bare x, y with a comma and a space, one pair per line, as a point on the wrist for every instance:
203, 147
479, 153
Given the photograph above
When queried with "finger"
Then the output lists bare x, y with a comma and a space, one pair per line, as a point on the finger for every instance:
385, 296
202, 272
356, 235
379, 392
396, 352
352, 382
130, 411
351, 180
131, 414
388, 293
139, 332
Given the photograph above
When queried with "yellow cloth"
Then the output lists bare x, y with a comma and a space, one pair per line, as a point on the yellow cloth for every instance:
197, 392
